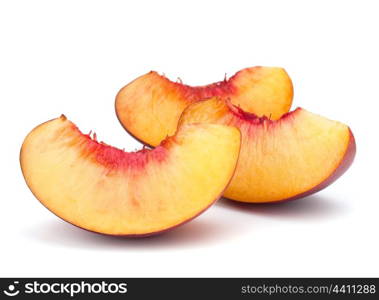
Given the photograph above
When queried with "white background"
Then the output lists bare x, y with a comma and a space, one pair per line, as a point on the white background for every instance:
73, 56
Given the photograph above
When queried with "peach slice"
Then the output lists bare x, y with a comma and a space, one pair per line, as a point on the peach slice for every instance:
295, 156
150, 106
106, 190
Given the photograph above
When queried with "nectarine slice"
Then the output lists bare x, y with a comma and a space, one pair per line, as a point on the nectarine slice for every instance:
295, 156
106, 190
149, 107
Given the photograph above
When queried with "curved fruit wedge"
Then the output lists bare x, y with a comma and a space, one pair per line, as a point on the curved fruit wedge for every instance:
106, 190
290, 158
150, 106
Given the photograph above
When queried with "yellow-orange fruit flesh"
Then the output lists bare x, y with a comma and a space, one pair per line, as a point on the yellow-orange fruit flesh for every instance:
294, 156
150, 106
106, 190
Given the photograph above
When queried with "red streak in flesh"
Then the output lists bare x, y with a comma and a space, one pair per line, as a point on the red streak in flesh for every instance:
196, 93
254, 119
190, 93
114, 158
224, 88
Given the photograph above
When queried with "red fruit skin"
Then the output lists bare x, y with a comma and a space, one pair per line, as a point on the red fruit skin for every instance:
191, 94
345, 163
126, 236
135, 236
131, 236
